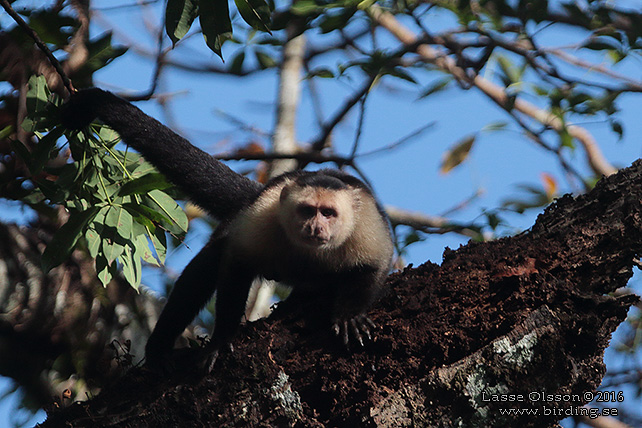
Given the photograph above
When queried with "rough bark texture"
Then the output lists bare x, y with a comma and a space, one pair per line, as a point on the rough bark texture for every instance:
517, 315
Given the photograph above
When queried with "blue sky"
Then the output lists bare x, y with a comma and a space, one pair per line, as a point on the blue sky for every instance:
407, 178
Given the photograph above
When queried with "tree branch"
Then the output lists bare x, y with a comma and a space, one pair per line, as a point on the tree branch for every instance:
502, 317
284, 138
595, 158
41, 45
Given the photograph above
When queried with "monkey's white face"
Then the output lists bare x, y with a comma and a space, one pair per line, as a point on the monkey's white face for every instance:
317, 218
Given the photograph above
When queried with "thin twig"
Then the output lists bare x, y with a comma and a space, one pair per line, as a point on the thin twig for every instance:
430, 224
357, 137
43, 47
313, 157
633, 85
399, 142
320, 141
158, 65
314, 97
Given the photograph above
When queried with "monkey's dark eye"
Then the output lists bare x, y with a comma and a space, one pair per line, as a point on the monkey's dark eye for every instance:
306, 211
328, 212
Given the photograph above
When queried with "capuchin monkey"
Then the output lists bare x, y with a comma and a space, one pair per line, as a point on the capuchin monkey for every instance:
321, 232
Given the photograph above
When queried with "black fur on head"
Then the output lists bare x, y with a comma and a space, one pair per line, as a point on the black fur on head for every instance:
320, 180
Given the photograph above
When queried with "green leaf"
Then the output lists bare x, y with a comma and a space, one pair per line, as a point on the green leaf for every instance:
121, 220
143, 251
52, 27
159, 242
93, 242
179, 17
322, 72
334, 21
602, 43
618, 129
21, 150
101, 53
493, 219
105, 191
6, 132
215, 23
435, 87
411, 238
565, 138
170, 209
401, 74
38, 118
495, 126
131, 267
236, 65
616, 56
65, 239
38, 94
103, 269
537, 197
138, 166
111, 249
365, 4
304, 7
42, 151
144, 184
265, 60
145, 215
457, 154
256, 13
108, 136
512, 74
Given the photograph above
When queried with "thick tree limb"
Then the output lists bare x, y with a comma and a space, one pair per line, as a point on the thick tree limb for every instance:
521, 315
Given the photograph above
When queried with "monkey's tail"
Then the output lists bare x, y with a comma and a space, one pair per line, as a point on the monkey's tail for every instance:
207, 181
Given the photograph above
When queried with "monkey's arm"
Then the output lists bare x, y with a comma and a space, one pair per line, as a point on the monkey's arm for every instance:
355, 292
190, 294
208, 182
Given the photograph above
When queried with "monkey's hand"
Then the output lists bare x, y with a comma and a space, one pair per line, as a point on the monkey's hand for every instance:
83, 107
356, 327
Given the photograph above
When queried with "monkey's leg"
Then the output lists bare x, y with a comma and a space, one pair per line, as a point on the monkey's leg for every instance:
190, 294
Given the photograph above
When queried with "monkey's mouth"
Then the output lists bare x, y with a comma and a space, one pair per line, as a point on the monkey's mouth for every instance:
314, 240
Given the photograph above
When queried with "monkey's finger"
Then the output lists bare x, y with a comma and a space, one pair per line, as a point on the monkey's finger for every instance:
356, 331
363, 328
346, 337
211, 359
336, 329
366, 325
369, 321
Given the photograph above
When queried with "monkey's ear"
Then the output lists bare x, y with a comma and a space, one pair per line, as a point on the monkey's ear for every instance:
82, 108
285, 192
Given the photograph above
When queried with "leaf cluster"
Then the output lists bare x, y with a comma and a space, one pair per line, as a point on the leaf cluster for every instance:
214, 17
118, 209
